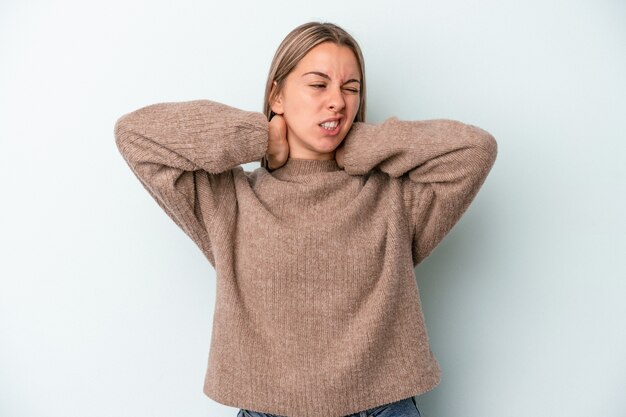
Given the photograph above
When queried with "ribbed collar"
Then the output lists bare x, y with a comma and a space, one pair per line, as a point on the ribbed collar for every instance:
296, 167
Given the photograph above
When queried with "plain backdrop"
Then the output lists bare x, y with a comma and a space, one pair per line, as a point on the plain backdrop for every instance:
106, 306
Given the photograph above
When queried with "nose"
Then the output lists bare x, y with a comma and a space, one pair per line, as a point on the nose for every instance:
336, 101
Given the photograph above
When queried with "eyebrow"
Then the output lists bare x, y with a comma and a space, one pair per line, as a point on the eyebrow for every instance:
321, 74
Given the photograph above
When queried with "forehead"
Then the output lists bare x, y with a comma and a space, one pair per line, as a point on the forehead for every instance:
330, 58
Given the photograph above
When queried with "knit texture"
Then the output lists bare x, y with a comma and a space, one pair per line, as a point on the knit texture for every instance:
317, 310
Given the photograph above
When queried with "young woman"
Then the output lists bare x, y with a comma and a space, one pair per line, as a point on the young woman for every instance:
317, 308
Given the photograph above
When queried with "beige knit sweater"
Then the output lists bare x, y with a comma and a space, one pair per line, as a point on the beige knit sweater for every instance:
317, 310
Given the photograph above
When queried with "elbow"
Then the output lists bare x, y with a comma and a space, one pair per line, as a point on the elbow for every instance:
118, 130
471, 135
121, 126
129, 124
482, 146
489, 145
123, 129
125, 135
137, 122
484, 142
488, 142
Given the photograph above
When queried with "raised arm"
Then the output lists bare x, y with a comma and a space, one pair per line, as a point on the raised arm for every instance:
441, 163
183, 153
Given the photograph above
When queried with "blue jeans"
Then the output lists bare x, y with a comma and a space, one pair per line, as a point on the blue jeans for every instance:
402, 408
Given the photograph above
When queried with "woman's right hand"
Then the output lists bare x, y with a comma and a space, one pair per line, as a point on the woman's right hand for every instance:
278, 146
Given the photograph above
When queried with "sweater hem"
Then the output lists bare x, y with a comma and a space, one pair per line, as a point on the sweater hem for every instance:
326, 409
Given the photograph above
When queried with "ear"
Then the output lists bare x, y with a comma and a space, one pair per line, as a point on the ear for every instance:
277, 104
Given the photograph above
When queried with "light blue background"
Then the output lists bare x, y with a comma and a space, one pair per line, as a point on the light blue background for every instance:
106, 306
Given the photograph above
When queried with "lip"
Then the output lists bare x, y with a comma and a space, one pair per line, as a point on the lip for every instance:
336, 130
331, 119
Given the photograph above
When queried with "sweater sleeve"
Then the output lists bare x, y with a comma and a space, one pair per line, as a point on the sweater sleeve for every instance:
183, 153
441, 165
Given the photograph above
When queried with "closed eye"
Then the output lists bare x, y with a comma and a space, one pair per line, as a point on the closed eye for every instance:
352, 90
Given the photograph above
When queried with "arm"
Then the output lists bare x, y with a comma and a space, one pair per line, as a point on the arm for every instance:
183, 153
441, 165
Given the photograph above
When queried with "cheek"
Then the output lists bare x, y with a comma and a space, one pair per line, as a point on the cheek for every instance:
302, 109
296, 116
298, 104
356, 100
354, 108
309, 102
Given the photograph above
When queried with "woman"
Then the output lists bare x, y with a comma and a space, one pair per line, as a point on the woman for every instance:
317, 308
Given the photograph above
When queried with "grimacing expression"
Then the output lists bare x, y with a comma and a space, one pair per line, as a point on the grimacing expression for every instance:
323, 87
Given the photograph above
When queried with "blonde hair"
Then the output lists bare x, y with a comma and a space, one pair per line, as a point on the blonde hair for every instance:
294, 47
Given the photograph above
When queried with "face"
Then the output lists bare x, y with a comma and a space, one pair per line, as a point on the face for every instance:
323, 87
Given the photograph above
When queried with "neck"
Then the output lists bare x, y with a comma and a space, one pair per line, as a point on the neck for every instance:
297, 167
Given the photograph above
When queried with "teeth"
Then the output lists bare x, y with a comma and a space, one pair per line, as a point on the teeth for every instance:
330, 125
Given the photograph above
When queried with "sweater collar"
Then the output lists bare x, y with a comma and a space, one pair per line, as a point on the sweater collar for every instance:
296, 167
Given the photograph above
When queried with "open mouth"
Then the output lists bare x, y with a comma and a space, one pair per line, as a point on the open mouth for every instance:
331, 128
